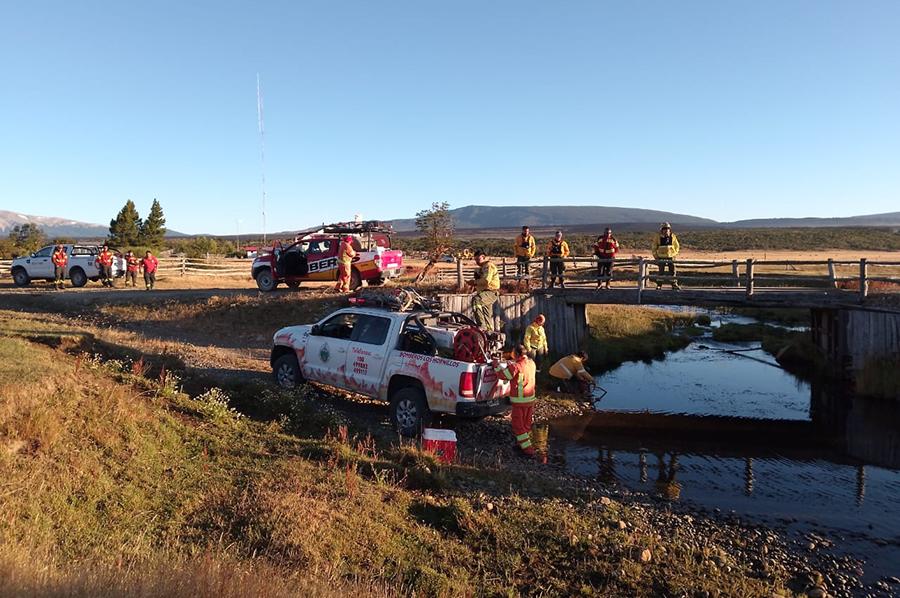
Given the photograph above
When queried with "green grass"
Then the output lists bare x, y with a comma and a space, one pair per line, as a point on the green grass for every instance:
119, 484
623, 333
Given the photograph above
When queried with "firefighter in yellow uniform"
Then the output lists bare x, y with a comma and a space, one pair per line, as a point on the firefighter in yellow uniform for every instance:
571, 373
521, 374
665, 249
525, 249
346, 253
487, 291
535, 340
557, 251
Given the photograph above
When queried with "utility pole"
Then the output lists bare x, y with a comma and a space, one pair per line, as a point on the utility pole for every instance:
262, 152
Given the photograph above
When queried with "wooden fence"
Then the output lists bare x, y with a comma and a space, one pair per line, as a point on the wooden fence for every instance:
751, 275
182, 266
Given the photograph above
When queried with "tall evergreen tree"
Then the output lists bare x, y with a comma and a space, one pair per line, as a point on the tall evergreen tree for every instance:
153, 229
124, 229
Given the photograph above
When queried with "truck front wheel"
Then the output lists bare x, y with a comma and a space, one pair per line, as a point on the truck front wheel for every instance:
409, 411
286, 371
20, 277
265, 281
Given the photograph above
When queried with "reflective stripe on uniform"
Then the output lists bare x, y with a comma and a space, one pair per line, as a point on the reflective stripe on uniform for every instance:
524, 436
525, 444
521, 399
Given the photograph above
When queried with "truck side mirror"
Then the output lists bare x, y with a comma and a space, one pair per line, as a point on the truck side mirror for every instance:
315, 330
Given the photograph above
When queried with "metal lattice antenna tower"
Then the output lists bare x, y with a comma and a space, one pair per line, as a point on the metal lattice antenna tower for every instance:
262, 152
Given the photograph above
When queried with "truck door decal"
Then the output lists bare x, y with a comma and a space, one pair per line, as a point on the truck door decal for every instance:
323, 265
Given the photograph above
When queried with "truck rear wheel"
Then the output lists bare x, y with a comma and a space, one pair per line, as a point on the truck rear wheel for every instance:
78, 277
20, 277
409, 411
286, 371
355, 279
265, 281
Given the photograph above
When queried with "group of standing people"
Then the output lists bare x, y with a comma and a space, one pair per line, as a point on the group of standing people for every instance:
104, 263
605, 249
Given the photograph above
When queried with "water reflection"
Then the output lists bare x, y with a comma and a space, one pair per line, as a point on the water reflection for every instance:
722, 431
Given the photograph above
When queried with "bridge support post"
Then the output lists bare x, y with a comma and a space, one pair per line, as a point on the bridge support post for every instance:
544, 273
460, 283
831, 273
750, 277
642, 277
863, 280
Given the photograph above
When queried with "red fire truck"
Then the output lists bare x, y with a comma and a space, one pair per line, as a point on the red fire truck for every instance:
312, 256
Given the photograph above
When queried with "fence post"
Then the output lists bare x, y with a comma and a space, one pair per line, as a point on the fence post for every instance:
749, 277
503, 267
544, 273
642, 274
459, 275
183, 264
831, 273
735, 272
863, 280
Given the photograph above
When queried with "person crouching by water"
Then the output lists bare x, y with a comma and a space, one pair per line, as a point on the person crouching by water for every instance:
557, 251
605, 250
665, 249
520, 372
535, 341
487, 290
571, 375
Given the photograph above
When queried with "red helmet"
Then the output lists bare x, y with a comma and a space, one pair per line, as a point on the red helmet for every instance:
348, 239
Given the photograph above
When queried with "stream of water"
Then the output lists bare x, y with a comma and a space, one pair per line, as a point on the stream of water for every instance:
809, 456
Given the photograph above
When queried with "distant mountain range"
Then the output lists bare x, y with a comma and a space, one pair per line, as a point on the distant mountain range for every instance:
59, 227
505, 218
542, 217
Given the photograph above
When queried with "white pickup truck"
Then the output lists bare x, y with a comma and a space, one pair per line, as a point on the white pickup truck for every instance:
82, 265
393, 356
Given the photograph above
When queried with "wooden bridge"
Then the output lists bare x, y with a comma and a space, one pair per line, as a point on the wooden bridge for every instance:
759, 283
849, 323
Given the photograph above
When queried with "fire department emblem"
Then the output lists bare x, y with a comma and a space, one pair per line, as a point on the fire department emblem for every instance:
324, 353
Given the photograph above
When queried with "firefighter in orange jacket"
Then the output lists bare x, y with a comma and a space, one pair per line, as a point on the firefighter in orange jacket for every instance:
60, 258
131, 268
105, 261
520, 373
346, 253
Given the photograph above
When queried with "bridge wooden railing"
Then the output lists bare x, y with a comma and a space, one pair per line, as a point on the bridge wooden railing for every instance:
750, 275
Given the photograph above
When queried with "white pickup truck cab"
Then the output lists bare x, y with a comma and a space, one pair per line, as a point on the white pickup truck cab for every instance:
400, 357
82, 265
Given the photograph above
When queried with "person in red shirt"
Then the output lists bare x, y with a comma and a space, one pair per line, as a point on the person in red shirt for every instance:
605, 249
105, 261
60, 258
131, 268
149, 264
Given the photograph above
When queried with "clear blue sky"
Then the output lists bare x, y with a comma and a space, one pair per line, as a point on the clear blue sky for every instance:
726, 110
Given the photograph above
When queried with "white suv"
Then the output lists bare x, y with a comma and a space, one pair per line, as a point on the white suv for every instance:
82, 265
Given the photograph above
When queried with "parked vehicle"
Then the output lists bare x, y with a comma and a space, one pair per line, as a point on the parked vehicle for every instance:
82, 265
313, 256
404, 358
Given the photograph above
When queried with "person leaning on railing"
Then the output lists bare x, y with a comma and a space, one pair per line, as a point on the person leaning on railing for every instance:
525, 248
557, 252
665, 249
605, 250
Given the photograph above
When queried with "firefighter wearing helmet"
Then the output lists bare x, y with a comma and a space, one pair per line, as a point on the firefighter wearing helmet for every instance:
346, 253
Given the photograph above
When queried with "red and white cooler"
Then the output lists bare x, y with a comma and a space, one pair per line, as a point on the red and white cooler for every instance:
440, 442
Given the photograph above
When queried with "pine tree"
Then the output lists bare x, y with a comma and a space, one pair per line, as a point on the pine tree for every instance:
153, 229
124, 229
